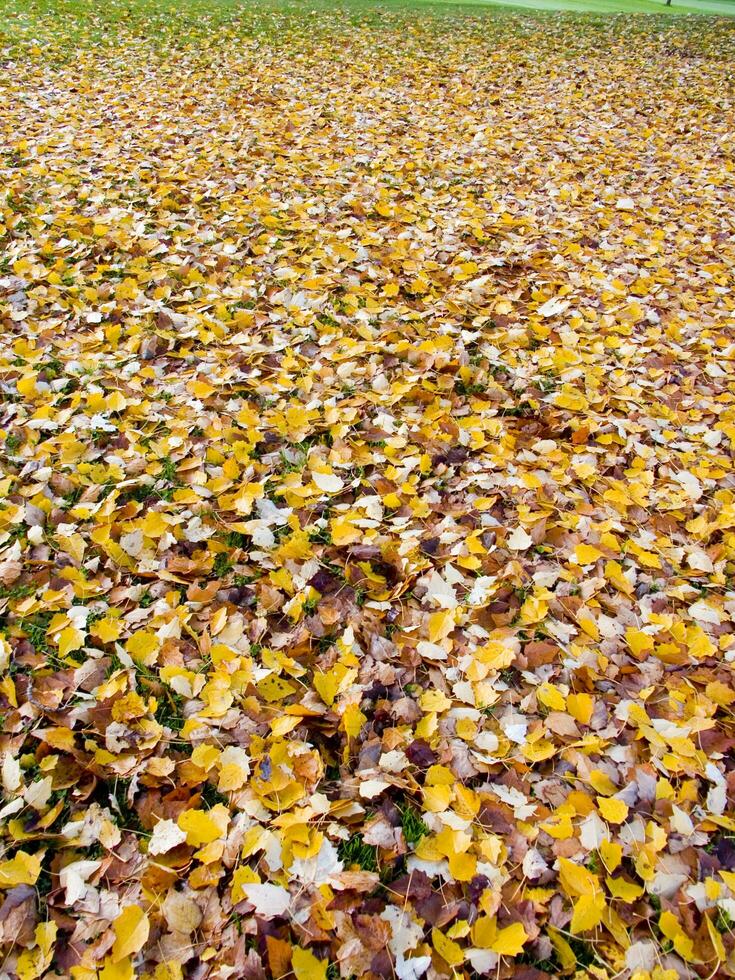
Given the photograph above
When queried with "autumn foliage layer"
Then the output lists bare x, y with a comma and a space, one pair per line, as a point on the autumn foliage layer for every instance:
367, 515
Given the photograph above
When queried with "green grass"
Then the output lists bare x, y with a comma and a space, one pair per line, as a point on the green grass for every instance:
356, 852
715, 7
56, 25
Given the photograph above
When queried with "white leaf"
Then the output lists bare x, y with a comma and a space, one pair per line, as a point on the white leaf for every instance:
520, 540
328, 482
166, 835
317, 870
533, 864
487, 742
431, 651
35, 534
700, 560
666, 884
592, 832
78, 616
37, 794
625, 204
132, 543
717, 799
393, 761
681, 822
11, 774
407, 934
690, 484
552, 307
483, 961
269, 900
197, 531
271, 514
12, 807
705, 613
412, 969
641, 956
439, 591
182, 914
522, 809
480, 591
234, 763
74, 877
514, 726
373, 787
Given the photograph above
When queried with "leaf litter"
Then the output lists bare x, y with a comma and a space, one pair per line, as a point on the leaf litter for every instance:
367, 508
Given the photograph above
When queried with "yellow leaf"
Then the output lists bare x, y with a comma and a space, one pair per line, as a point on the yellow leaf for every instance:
326, 686
449, 951
571, 400
26, 386
615, 926
638, 641
564, 951
671, 928
538, 751
551, 696
467, 802
580, 707
168, 971
344, 531
60, 738
611, 854
33, 963
432, 700
716, 940
7, 687
586, 554
484, 931
122, 970
143, 647
274, 688
440, 624
107, 629
203, 827
614, 574
155, 524
352, 720
712, 889
45, 936
205, 756
612, 810
509, 941
200, 389
437, 798
577, 880
533, 610
462, 867
587, 913
131, 930
116, 401
23, 869
627, 890
602, 783
589, 626
306, 966
70, 639
562, 830
243, 876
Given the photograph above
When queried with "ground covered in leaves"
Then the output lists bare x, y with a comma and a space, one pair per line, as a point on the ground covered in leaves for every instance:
367, 516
